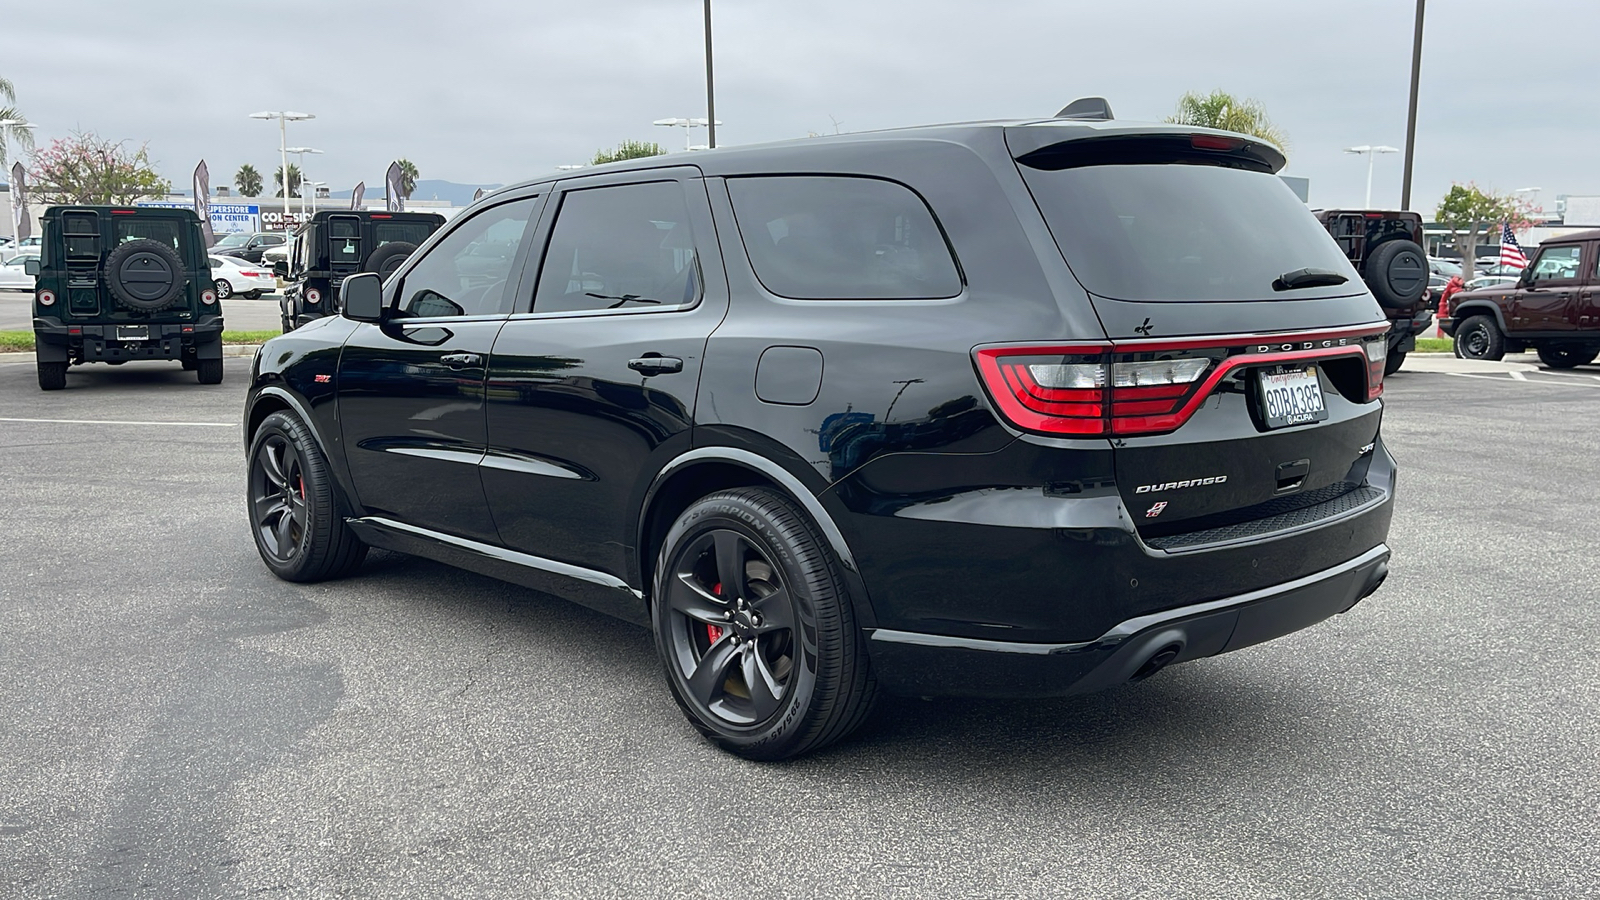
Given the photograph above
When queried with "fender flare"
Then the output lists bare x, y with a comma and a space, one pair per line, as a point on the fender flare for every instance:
295, 402
1475, 307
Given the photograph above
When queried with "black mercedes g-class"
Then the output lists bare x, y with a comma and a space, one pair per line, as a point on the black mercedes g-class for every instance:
121, 283
335, 245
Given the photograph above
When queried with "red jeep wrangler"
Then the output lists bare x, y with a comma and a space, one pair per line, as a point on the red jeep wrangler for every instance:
1553, 308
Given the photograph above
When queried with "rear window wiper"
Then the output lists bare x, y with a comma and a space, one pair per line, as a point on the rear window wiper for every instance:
1308, 277
625, 298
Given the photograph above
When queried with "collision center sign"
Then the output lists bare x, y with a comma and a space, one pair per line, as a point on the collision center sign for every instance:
226, 218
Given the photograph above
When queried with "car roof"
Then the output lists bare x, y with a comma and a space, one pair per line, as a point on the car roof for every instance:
1590, 235
1024, 135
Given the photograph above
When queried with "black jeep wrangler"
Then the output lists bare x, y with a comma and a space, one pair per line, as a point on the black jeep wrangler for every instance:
335, 245
1385, 246
116, 283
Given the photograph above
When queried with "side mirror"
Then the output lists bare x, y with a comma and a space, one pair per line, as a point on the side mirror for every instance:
280, 269
1526, 279
362, 297
31, 266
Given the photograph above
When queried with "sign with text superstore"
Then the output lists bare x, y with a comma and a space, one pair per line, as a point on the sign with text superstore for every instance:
226, 218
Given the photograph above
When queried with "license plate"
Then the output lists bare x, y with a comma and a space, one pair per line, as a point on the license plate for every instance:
1291, 396
133, 332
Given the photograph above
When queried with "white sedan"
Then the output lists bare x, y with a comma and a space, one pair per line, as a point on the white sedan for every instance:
237, 276
12, 275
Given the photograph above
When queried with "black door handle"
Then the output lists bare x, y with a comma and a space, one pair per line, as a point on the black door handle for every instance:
461, 360
656, 365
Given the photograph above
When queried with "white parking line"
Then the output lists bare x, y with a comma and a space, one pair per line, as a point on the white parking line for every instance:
1522, 379
122, 422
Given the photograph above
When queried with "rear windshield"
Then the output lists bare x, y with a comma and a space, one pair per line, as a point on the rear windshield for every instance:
163, 231
410, 232
1184, 232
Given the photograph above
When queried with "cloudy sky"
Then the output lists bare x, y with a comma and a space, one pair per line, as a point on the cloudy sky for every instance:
478, 91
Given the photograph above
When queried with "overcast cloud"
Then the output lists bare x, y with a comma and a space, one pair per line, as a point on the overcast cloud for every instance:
476, 91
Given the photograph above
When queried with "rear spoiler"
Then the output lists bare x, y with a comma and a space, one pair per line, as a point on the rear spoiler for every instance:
1204, 148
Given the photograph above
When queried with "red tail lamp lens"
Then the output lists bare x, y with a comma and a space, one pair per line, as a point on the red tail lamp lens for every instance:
1214, 142
1051, 390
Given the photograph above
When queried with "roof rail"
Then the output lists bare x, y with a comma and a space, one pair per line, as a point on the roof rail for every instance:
1086, 108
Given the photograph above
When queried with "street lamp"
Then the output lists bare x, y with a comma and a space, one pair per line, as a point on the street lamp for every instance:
685, 124
1371, 153
283, 148
301, 152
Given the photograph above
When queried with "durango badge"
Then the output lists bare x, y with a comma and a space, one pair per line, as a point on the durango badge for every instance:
1179, 485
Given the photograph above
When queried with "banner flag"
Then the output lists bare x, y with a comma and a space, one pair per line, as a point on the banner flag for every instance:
391, 187
21, 222
357, 194
202, 201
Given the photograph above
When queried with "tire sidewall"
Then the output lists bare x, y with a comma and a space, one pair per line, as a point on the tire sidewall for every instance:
788, 726
224, 289
1491, 336
291, 429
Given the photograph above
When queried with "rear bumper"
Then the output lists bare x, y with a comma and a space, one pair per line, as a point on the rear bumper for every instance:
913, 663
56, 341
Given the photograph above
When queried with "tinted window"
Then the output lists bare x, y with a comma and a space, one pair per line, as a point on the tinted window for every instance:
272, 240
465, 274
624, 247
1184, 232
163, 231
842, 238
410, 232
1558, 263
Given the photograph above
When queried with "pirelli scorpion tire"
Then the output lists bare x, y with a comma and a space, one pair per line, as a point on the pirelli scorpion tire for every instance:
755, 628
1397, 274
146, 276
386, 259
296, 511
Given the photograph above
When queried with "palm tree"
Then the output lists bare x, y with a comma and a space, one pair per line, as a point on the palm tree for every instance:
13, 134
408, 178
1220, 109
248, 181
294, 180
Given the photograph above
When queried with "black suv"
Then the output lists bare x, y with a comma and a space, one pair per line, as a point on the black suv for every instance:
116, 284
1000, 409
332, 246
1385, 246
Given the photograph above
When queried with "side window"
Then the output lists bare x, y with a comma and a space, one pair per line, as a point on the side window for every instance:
842, 238
623, 247
466, 273
1558, 264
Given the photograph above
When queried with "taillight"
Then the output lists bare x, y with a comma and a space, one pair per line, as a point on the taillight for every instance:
47, 298
208, 297
1377, 357
1150, 387
249, 274
313, 295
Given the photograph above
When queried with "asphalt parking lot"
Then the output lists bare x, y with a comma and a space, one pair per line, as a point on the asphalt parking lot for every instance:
177, 723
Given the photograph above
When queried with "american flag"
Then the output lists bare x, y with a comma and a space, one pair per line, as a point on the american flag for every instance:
1510, 251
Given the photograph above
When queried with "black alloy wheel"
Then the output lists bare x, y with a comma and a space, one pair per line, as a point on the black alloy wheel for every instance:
1479, 338
224, 289
295, 512
755, 628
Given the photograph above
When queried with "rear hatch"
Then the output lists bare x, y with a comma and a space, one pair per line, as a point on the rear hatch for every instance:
1244, 356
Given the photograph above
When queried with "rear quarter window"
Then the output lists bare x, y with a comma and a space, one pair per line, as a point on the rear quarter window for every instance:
842, 238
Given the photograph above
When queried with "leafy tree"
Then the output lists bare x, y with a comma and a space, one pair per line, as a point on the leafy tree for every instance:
294, 181
408, 178
627, 150
14, 135
1470, 213
1220, 109
91, 171
248, 181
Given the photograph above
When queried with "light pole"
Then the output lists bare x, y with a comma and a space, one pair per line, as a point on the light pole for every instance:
686, 125
283, 149
1411, 111
301, 152
711, 95
1371, 153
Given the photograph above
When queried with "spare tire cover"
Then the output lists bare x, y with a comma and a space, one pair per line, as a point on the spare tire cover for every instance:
386, 259
1397, 274
144, 275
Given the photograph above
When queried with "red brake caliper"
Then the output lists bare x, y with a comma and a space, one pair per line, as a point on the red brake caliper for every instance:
715, 632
